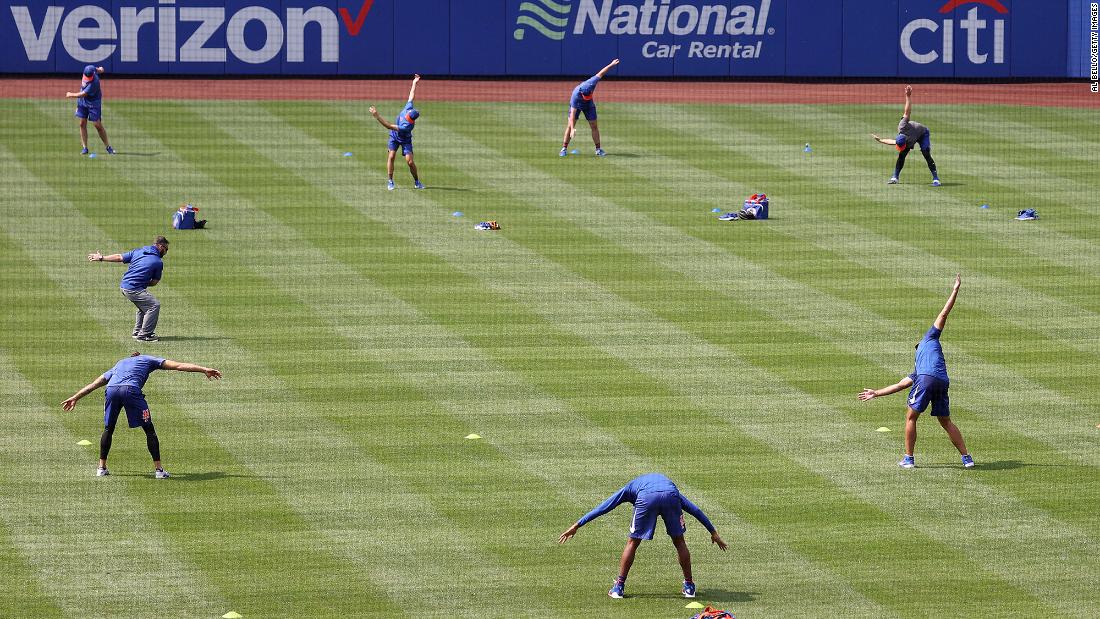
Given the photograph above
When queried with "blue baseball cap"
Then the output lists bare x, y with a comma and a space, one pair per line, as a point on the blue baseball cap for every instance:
89, 70
900, 140
413, 114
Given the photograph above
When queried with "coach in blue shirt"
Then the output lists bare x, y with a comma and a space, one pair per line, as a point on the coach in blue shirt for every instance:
146, 266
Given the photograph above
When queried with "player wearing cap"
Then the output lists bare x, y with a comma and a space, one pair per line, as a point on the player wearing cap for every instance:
89, 106
124, 383
929, 384
581, 101
652, 495
401, 134
145, 270
910, 134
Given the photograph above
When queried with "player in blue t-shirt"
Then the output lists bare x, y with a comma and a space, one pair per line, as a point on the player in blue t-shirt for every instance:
652, 495
929, 384
581, 101
89, 106
124, 382
401, 134
146, 266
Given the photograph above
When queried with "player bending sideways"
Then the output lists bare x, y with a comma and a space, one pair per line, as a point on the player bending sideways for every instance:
89, 106
929, 385
910, 134
124, 383
401, 135
581, 101
652, 495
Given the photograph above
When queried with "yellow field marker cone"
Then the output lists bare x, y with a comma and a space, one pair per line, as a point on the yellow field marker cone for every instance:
473, 436
84, 442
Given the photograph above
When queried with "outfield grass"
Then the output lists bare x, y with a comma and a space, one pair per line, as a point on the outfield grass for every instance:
613, 327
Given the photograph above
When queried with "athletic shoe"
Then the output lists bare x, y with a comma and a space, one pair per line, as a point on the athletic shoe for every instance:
102, 472
618, 591
907, 462
418, 185
162, 474
84, 151
600, 153
389, 184
892, 181
110, 151
968, 461
563, 153
152, 337
135, 336
935, 182
728, 217
689, 589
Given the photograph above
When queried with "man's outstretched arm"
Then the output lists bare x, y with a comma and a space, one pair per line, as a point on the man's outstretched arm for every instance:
888, 141
98, 257
611, 503
870, 394
211, 373
602, 72
412, 91
941, 320
70, 403
382, 121
694, 510
908, 102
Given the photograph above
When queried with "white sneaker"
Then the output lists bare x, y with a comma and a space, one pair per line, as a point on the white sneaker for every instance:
892, 181
162, 474
102, 472
936, 182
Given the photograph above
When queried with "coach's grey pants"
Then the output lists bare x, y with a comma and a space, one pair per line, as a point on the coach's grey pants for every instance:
148, 311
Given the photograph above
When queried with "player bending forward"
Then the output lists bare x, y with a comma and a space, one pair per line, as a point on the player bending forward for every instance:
581, 101
910, 134
651, 495
401, 134
89, 106
929, 384
124, 383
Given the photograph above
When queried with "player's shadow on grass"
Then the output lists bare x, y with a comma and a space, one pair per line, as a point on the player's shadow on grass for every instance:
123, 154
433, 187
629, 155
208, 476
192, 338
716, 596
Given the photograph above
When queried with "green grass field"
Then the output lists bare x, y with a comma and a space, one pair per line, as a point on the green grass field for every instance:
613, 327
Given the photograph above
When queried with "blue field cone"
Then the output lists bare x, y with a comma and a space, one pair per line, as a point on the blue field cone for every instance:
347, 154
456, 214
807, 148
716, 210
985, 206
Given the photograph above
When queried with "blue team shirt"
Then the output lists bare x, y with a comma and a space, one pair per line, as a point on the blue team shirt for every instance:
929, 357
90, 86
404, 133
651, 483
582, 94
145, 266
132, 371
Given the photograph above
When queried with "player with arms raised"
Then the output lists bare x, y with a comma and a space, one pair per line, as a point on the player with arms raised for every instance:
929, 384
401, 134
910, 133
581, 101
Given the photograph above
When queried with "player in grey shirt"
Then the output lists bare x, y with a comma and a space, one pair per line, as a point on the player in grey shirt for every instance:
910, 134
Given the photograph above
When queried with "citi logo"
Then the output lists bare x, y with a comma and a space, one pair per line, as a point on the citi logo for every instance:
90, 33
545, 17
971, 25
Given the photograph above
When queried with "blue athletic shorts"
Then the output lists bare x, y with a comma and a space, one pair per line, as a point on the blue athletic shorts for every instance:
406, 147
930, 390
926, 141
589, 109
91, 112
646, 509
129, 398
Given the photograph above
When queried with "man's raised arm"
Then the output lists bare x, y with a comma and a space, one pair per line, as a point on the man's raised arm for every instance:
941, 320
602, 72
412, 91
381, 121
908, 102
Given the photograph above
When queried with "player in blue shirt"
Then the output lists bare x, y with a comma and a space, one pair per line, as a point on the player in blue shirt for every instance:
146, 265
124, 383
652, 495
581, 101
910, 134
929, 384
401, 134
89, 106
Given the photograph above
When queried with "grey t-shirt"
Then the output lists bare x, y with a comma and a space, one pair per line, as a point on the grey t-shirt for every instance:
914, 132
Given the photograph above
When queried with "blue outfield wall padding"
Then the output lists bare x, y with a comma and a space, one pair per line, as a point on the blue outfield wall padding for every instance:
478, 39
808, 53
870, 48
901, 39
423, 44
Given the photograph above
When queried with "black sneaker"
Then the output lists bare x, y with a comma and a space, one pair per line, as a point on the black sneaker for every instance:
148, 338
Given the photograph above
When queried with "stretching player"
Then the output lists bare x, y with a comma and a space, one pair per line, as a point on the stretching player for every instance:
89, 106
929, 385
910, 134
581, 101
651, 495
401, 134
124, 383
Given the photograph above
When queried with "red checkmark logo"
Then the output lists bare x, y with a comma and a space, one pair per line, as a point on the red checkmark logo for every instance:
354, 26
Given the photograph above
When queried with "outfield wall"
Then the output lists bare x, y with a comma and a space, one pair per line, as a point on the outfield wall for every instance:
654, 38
